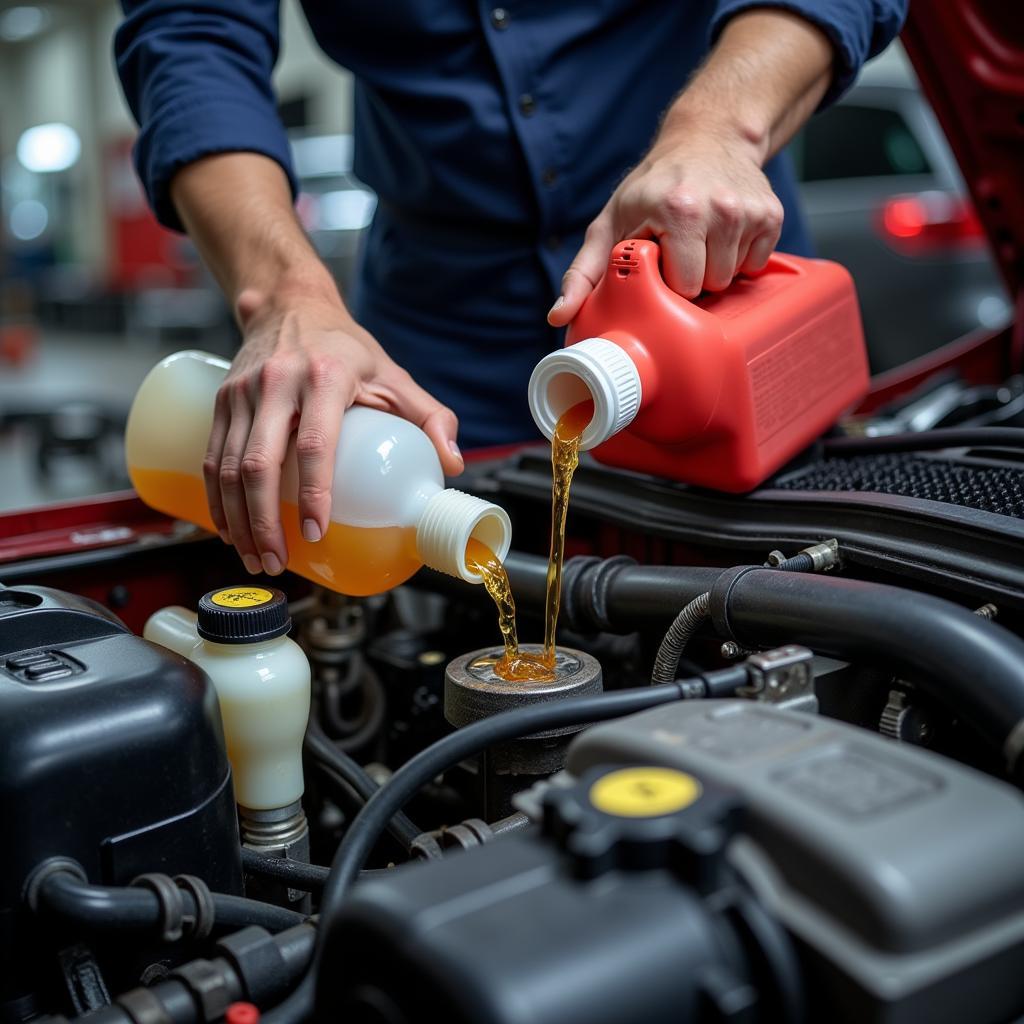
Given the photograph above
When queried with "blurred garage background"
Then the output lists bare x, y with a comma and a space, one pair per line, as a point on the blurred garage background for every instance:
93, 291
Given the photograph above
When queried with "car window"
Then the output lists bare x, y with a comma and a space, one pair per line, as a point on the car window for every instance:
851, 141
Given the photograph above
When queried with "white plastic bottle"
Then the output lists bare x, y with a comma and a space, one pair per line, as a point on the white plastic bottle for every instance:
262, 679
390, 511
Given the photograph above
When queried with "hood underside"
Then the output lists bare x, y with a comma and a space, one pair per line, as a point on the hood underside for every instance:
969, 57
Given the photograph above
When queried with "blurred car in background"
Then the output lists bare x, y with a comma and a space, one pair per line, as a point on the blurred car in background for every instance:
883, 196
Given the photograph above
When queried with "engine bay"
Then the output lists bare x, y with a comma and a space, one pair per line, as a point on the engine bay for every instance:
776, 776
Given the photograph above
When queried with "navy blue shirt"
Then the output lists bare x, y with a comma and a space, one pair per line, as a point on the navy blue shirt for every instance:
492, 135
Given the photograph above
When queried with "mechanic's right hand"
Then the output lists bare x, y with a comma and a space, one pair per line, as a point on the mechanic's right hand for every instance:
303, 363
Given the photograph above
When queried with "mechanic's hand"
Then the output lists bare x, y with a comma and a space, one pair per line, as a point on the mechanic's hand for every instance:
303, 363
703, 196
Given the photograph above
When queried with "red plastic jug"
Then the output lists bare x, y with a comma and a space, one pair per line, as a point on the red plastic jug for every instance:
720, 392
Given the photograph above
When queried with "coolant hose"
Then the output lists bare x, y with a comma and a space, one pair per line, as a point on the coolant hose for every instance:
296, 873
611, 594
636, 595
100, 908
974, 666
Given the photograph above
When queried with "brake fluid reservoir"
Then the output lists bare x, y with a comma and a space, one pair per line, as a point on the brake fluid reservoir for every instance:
390, 510
262, 679
720, 392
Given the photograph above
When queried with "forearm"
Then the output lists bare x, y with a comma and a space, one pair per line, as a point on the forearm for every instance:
237, 209
765, 77
303, 362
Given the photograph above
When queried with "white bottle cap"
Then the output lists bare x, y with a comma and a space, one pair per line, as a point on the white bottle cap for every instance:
594, 368
449, 519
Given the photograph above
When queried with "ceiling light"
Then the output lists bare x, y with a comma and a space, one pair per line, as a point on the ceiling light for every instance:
345, 210
28, 219
19, 23
321, 156
48, 148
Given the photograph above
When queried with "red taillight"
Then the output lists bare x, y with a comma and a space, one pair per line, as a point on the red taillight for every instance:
922, 224
904, 217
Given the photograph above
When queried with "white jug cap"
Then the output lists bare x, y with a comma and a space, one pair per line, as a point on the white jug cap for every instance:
595, 368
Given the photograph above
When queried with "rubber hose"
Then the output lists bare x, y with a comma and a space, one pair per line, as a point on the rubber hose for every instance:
99, 908
307, 877
975, 667
464, 743
690, 619
639, 594
178, 1003
635, 595
358, 731
972, 665
323, 751
684, 625
297, 874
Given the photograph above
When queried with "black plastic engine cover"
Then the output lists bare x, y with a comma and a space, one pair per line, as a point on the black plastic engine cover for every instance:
111, 753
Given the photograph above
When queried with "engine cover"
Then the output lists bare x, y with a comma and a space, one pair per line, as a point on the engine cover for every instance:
897, 870
892, 876
111, 753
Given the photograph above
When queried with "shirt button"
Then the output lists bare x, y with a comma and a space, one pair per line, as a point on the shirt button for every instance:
499, 18
527, 104
549, 176
553, 242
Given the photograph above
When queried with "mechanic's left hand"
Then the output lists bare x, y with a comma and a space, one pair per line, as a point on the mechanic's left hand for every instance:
702, 194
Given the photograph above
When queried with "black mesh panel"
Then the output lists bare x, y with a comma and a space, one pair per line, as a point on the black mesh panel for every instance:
998, 489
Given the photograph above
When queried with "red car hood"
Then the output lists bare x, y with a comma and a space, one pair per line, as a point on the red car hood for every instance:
969, 56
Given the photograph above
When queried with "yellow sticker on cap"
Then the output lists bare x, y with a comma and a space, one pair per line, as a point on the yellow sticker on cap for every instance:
644, 792
242, 597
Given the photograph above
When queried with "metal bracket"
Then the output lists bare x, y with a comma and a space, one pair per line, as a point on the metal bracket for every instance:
823, 556
783, 677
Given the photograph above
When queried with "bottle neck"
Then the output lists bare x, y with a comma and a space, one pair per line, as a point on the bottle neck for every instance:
241, 650
448, 520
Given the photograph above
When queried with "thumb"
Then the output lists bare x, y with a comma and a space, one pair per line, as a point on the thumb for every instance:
442, 427
584, 272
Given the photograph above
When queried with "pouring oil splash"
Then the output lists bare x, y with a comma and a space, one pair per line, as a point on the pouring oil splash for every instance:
516, 665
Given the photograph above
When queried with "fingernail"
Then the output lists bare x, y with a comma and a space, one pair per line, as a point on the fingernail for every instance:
271, 564
225, 536
252, 564
454, 449
559, 303
311, 530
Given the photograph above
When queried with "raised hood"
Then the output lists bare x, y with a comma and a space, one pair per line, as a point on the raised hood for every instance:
969, 56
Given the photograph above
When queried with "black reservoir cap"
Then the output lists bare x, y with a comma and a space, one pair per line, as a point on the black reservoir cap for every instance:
642, 817
243, 615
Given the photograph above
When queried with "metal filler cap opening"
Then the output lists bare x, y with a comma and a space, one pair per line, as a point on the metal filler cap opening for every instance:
473, 690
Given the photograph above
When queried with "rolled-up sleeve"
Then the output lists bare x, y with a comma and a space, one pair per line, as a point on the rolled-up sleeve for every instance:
857, 29
197, 76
